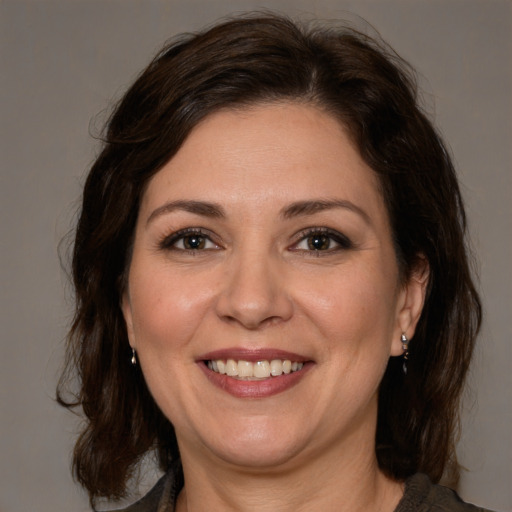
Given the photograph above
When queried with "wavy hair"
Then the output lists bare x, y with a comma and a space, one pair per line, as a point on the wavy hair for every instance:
240, 62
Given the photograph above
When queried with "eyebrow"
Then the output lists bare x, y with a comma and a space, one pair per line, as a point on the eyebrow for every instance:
202, 208
305, 208
296, 209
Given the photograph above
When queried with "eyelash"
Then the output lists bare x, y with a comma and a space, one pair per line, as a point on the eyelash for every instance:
342, 241
169, 242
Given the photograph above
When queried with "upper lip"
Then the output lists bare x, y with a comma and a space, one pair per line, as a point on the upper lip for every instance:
252, 355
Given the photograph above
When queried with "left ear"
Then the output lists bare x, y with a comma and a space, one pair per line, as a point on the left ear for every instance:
410, 304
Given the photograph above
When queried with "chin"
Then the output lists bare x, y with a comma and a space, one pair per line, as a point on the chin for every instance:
257, 457
259, 446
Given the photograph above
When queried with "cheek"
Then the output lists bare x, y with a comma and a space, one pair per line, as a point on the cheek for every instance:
167, 314
166, 311
351, 304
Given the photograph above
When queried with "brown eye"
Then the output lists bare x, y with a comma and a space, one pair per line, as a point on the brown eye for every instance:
319, 242
191, 242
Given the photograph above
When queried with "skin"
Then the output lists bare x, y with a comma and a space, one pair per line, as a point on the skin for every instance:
256, 283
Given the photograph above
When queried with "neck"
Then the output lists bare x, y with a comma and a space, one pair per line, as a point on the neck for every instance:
341, 478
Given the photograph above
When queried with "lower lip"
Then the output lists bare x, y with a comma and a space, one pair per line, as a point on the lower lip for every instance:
255, 388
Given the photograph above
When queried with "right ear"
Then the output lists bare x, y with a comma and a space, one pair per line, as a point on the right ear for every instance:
411, 304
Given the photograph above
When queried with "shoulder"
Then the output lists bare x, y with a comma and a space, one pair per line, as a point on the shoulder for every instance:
421, 495
150, 502
162, 496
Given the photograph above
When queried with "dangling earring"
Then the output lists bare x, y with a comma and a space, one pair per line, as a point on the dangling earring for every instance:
134, 359
405, 348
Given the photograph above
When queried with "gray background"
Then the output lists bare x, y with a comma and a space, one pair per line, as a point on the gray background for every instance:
62, 63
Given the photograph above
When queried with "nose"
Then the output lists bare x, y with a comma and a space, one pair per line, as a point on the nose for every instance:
254, 294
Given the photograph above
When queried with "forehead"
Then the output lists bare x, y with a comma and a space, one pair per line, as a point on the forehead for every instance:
287, 150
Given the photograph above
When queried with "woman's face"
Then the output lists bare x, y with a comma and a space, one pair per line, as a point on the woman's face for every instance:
263, 249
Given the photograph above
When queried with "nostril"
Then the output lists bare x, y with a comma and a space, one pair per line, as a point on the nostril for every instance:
247, 322
254, 295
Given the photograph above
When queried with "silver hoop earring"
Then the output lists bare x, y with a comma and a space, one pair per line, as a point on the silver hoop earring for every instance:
134, 359
405, 348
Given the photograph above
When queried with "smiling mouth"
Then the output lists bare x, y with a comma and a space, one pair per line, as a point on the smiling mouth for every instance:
259, 370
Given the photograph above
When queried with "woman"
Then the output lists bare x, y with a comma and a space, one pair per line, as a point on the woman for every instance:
273, 289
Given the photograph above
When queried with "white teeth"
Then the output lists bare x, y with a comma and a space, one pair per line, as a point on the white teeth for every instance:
259, 370
221, 367
276, 367
262, 369
231, 368
244, 369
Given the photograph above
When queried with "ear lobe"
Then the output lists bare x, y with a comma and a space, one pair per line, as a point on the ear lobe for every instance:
411, 304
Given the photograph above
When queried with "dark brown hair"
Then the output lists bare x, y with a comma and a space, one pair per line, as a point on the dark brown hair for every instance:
244, 61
